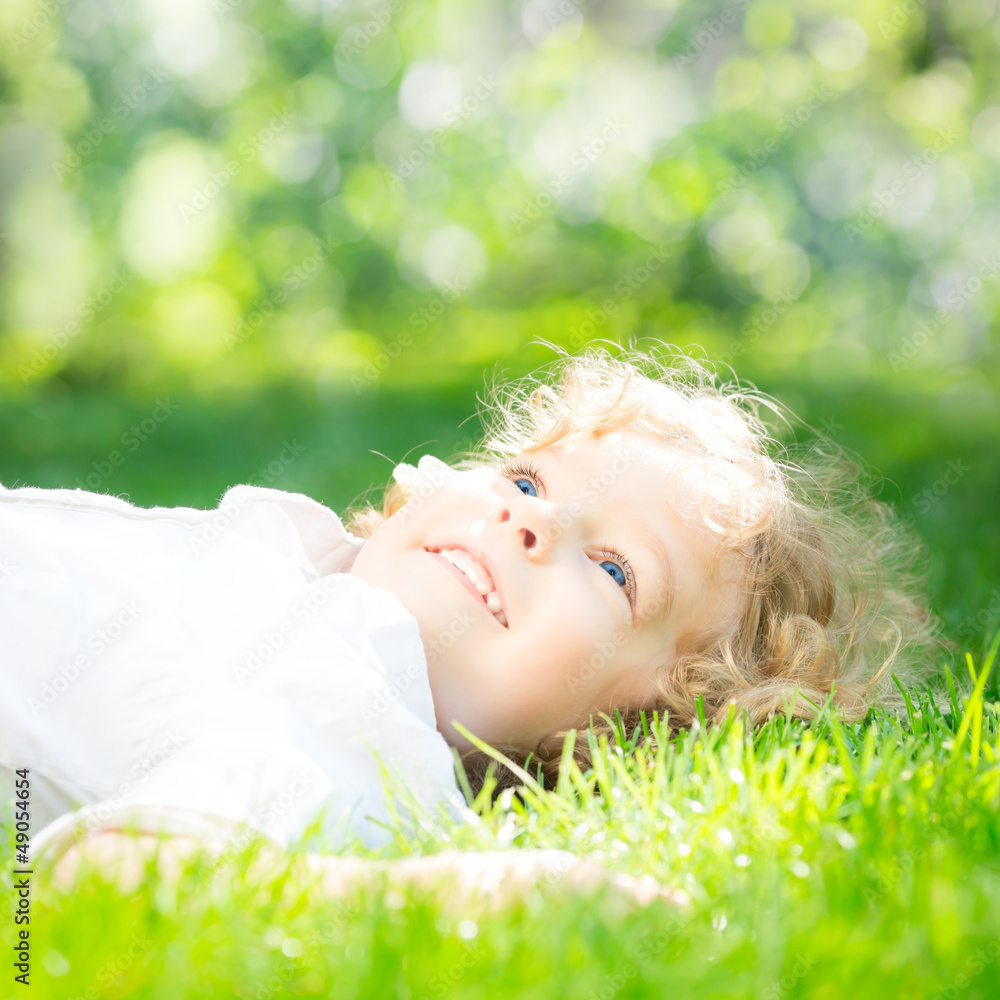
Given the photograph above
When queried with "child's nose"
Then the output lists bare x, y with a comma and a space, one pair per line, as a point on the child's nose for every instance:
534, 523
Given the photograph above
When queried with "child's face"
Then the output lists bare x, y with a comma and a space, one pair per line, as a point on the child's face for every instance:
573, 645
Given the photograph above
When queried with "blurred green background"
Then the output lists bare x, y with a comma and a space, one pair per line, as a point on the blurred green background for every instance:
288, 243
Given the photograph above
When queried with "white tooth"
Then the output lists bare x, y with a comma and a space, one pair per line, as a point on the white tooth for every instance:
493, 603
462, 564
478, 577
470, 569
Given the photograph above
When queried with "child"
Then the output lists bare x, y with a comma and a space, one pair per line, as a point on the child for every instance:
752, 580
622, 540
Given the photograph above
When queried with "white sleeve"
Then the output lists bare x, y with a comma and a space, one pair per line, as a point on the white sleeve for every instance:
216, 785
233, 783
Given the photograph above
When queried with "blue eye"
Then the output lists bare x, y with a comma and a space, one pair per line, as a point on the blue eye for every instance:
620, 578
623, 577
521, 474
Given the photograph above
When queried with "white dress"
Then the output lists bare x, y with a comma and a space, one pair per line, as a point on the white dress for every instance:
220, 663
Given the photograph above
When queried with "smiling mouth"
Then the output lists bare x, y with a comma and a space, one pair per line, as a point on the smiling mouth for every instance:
474, 577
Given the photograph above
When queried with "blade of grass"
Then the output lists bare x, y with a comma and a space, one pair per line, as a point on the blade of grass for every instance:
974, 706
910, 711
956, 710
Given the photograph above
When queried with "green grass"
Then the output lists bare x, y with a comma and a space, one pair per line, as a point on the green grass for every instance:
821, 860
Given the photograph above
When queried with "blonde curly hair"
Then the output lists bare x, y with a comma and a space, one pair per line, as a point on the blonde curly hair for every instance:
834, 580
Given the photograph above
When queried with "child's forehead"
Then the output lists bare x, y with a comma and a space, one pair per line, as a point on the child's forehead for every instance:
706, 488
